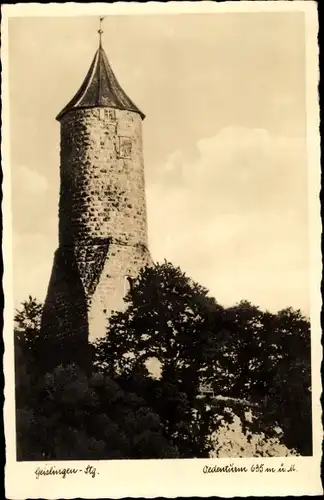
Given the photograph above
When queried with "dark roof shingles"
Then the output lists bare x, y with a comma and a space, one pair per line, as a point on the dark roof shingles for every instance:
100, 88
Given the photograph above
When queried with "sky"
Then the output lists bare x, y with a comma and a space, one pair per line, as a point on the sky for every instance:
224, 144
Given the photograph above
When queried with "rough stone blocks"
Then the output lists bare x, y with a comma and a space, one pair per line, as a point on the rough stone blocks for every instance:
102, 221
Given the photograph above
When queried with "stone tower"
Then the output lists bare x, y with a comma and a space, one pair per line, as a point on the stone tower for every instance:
102, 207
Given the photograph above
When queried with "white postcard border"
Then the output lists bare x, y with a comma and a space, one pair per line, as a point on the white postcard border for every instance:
169, 478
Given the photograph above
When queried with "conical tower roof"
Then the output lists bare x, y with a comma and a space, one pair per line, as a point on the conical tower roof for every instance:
100, 88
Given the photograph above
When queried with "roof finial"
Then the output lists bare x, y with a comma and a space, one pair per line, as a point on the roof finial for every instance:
100, 31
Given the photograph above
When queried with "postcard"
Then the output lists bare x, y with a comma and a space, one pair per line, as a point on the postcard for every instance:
162, 259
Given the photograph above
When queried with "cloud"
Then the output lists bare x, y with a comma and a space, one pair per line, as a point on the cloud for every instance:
244, 169
30, 181
235, 217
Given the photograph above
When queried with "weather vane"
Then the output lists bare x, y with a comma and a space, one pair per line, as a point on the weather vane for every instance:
100, 30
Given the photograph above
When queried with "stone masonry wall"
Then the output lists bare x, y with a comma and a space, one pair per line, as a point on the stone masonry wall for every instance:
102, 221
88, 283
102, 177
123, 262
65, 320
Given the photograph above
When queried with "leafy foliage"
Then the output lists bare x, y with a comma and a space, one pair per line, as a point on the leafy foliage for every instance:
66, 414
266, 360
26, 336
258, 364
254, 359
80, 418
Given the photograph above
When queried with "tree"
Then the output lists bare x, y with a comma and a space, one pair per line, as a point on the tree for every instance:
74, 417
266, 359
287, 401
28, 318
169, 318
257, 362
253, 359
66, 414
27, 321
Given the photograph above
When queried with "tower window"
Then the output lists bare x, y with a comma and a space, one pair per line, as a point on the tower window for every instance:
128, 283
101, 113
125, 147
110, 114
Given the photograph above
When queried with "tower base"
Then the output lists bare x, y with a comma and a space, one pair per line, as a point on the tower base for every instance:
88, 283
